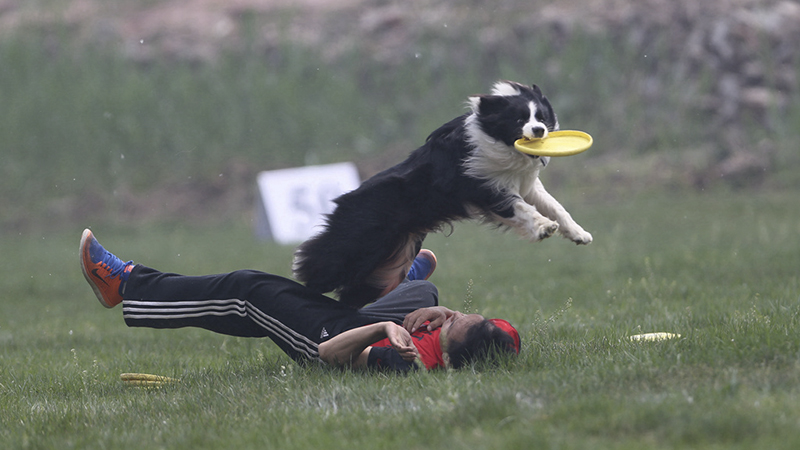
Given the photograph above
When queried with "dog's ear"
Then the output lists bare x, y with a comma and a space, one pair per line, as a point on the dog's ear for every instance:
536, 89
488, 104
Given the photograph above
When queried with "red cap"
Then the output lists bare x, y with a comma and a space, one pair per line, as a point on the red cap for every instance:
505, 326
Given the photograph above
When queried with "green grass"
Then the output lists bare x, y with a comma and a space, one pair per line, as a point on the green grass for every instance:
720, 269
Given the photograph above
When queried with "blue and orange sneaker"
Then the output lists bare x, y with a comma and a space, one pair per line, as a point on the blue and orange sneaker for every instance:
105, 272
423, 266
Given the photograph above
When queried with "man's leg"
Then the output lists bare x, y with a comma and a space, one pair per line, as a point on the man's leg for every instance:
242, 303
407, 297
411, 294
218, 303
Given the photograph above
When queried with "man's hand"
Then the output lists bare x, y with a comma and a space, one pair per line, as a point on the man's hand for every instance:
436, 315
401, 341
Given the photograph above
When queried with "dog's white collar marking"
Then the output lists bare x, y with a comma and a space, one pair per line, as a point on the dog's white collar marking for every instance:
496, 163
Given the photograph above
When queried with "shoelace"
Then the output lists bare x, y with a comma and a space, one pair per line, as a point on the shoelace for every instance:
114, 265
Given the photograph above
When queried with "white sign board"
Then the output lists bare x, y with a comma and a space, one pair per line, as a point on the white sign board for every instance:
292, 202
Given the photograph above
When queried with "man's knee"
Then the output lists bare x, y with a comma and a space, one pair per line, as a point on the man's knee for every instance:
432, 290
426, 291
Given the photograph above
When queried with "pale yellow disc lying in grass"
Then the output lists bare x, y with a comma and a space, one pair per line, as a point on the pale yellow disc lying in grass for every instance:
661, 336
146, 380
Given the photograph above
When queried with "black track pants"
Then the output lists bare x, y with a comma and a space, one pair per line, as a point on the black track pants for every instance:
249, 303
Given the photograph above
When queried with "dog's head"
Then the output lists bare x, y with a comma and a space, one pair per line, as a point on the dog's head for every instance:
513, 111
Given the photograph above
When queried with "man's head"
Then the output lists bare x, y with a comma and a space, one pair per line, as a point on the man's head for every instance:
471, 337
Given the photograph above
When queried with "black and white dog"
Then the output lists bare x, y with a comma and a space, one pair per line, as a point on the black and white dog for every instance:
468, 168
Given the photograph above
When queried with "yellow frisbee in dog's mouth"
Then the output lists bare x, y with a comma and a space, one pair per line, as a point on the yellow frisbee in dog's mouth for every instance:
557, 143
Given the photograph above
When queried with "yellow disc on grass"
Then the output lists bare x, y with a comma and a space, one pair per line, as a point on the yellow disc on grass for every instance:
146, 380
660, 336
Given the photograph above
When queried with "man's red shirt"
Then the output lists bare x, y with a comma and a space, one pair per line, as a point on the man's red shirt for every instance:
427, 342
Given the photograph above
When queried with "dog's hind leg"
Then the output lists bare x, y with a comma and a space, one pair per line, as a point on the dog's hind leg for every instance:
386, 277
551, 208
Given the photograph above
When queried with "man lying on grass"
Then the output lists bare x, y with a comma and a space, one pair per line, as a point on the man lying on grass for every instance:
404, 330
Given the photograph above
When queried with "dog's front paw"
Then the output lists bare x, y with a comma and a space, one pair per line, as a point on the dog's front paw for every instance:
544, 231
579, 236
584, 239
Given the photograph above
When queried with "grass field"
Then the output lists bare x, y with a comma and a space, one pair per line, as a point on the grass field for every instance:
720, 269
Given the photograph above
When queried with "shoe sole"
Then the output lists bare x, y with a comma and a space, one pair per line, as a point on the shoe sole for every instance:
431, 258
87, 235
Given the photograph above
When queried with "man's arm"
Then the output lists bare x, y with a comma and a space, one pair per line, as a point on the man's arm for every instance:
352, 347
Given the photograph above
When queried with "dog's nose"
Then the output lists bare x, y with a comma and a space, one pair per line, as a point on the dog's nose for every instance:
538, 131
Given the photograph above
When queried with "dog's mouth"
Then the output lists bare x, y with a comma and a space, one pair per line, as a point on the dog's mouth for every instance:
531, 156
536, 134
527, 139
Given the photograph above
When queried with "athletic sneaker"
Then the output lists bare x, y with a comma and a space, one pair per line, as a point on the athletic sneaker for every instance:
105, 272
423, 266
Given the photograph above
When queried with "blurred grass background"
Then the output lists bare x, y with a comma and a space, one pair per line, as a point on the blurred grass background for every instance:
88, 118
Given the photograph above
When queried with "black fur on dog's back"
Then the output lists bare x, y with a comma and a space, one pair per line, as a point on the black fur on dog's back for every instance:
371, 223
